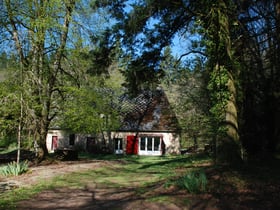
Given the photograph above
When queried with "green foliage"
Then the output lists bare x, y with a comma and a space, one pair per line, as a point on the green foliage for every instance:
10, 106
89, 110
194, 181
187, 94
219, 93
14, 169
7, 141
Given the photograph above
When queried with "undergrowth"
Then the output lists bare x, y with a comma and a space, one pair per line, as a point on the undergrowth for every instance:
14, 168
194, 181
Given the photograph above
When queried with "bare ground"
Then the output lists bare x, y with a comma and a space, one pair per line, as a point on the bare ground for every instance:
50, 170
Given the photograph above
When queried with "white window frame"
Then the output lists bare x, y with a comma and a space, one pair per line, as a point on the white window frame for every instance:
146, 151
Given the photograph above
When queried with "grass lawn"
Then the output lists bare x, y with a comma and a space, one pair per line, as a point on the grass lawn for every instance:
154, 180
137, 173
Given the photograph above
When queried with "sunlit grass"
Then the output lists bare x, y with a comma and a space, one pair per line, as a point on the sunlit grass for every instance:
160, 199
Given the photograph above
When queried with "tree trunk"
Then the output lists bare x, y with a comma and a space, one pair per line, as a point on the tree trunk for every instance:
222, 84
228, 147
44, 150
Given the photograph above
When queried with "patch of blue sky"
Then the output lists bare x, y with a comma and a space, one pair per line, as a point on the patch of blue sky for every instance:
184, 45
90, 24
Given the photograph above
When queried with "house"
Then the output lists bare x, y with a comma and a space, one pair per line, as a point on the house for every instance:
148, 127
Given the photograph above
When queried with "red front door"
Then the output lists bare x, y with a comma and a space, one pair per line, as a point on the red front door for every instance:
132, 145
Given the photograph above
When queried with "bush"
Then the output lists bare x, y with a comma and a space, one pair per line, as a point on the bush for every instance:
194, 182
14, 169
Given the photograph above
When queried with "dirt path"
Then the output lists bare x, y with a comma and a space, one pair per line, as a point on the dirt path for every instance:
91, 198
46, 172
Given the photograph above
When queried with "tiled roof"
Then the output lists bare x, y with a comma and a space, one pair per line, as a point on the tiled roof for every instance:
149, 111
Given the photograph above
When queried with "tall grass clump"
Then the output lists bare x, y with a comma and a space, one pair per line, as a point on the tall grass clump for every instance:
194, 181
14, 169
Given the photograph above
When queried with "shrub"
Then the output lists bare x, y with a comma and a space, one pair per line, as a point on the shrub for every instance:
194, 182
14, 169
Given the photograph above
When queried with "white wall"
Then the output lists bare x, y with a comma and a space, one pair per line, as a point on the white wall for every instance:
171, 141
61, 139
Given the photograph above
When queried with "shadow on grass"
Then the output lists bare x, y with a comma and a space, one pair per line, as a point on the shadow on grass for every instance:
109, 157
254, 185
103, 197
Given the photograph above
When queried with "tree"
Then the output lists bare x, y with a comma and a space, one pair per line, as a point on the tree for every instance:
218, 22
90, 110
258, 53
11, 119
9, 112
187, 92
193, 104
39, 31
51, 40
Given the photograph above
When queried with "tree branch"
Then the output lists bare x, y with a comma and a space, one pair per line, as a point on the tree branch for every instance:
191, 52
69, 8
15, 35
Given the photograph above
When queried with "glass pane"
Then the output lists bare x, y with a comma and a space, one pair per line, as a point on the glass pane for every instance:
150, 143
142, 143
156, 143
118, 144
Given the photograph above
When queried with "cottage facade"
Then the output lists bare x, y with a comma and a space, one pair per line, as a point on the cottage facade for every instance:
149, 127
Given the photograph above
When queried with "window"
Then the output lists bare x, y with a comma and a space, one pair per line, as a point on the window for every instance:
142, 143
118, 145
150, 145
71, 139
157, 143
